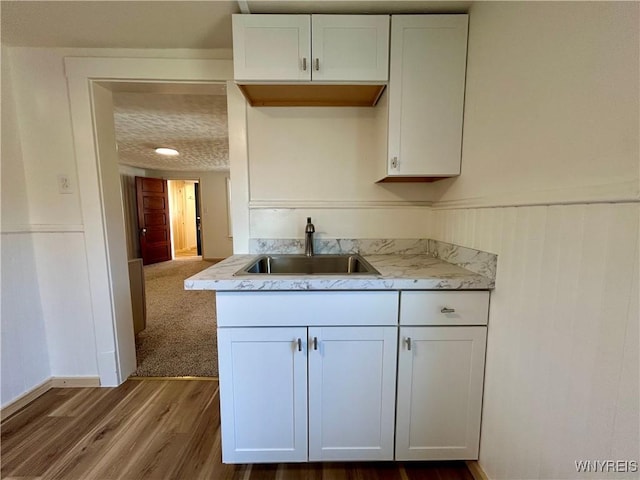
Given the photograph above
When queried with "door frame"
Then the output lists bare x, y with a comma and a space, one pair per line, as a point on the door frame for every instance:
90, 82
176, 177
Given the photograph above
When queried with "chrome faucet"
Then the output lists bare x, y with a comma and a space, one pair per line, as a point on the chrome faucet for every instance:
308, 238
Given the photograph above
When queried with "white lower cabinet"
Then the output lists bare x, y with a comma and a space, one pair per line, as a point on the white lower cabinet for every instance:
263, 393
440, 380
352, 379
295, 390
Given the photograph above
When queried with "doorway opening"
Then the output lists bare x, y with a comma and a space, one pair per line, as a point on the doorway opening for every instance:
184, 214
96, 152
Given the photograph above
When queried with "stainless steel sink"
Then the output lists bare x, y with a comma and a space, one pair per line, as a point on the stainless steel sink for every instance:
303, 265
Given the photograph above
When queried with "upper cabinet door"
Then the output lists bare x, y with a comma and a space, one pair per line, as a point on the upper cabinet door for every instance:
350, 48
272, 47
426, 94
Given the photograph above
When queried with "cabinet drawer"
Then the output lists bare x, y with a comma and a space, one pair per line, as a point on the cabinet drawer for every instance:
444, 308
272, 309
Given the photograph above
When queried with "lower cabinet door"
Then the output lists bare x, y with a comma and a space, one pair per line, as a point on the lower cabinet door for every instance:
263, 394
351, 392
440, 380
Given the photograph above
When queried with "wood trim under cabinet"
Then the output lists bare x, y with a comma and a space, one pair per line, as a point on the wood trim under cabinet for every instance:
311, 95
397, 179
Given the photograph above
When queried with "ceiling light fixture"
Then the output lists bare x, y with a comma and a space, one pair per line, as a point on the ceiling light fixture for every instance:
167, 151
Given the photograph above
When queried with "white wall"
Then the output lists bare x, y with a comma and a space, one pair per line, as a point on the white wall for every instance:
323, 162
216, 242
40, 93
562, 351
23, 354
47, 319
551, 105
551, 116
66, 308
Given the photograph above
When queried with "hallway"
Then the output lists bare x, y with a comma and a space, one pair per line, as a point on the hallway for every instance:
180, 337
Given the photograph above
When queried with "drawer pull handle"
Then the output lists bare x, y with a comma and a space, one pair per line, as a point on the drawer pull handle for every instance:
408, 340
299, 342
315, 343
447, 310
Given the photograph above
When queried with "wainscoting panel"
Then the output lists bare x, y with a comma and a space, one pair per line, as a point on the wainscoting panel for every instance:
562, 354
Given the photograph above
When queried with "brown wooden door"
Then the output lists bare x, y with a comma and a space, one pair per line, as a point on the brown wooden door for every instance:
153, 219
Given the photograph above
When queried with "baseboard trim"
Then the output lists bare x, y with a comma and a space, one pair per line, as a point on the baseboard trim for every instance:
53, 382
25, 399
74, 382
476, 470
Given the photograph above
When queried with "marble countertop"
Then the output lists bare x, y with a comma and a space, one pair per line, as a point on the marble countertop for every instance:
397, 272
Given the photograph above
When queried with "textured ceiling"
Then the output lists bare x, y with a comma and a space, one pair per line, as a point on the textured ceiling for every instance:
195, 125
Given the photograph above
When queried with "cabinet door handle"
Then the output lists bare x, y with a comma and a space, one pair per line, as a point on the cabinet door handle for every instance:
315, 343
447, 310
394, 162
408, 340
299, 342
317, 64
304, 64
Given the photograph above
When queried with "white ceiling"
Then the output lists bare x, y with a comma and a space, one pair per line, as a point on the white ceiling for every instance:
147, 116
195, 125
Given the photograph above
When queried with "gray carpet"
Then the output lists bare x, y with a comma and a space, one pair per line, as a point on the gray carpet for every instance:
180, 338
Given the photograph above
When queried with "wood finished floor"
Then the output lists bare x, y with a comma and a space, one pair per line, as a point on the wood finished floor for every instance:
156, 429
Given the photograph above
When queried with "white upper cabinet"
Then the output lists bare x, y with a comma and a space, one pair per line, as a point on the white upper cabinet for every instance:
346, 48
350, 48
426, 95
272, 47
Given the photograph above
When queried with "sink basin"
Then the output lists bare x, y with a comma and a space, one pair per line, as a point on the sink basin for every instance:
303, 265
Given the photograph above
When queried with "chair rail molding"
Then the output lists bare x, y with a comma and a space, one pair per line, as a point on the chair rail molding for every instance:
627, 191
42, 228
336, 204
